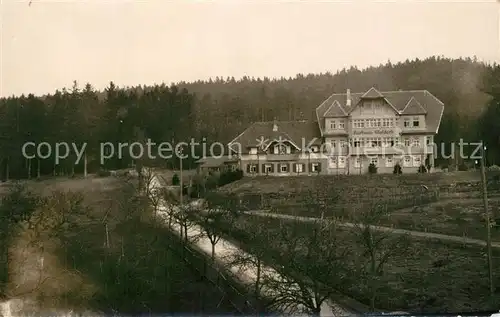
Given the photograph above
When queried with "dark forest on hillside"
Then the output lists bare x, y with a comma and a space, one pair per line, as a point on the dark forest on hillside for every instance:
221, 108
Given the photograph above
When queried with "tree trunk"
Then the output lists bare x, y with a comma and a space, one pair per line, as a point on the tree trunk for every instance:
29, 168
373, 269
257, 279
316, 311
213, 252
4, 262
38, 168
372, 301
7, 170
85, 165
107, 236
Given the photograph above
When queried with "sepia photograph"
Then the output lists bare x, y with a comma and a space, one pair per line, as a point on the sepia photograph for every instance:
249, 157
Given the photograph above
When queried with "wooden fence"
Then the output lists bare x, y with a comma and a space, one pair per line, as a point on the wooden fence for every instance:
233, 292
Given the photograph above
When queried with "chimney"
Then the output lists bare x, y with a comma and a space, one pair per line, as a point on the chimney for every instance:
275, 125
348, 102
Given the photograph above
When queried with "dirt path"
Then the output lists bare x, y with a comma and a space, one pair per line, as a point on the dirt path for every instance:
417, 234
451, 200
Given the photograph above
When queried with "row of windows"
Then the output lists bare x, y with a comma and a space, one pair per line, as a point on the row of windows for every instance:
408, 161
373, 142
380, 142
284, 168
376, 123
373, 123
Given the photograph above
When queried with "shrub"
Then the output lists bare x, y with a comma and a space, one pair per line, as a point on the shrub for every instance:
229, 177
175, 180
372, 169
462, 167
397, 169
422, 169
494, 168
103, 173
211, 182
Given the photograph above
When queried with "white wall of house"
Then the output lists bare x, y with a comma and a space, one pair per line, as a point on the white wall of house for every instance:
373, 109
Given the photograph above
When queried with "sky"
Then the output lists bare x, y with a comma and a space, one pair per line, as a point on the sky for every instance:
48, 44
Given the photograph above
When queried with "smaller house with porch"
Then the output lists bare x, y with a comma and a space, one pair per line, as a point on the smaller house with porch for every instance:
277, 148
217, 164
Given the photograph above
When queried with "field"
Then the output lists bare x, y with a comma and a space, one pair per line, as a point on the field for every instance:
458, 218
111, 269
430, 276
462, 217
448, 203
105, 257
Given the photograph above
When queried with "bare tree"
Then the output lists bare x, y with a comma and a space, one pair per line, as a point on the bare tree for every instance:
378, 246
252, 258
184, 217
319, 199
169, 201
218, 210
16, 208
59, 217
315, 267
155, 198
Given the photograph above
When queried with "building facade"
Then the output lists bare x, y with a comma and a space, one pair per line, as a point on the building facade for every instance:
352, 131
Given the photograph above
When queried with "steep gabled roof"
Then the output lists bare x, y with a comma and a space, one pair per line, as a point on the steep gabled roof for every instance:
372, 93
413, 107
335, 110
397, 99
297, 132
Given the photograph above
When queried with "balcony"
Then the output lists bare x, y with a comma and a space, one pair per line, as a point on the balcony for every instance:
391, 150
413, 130
336, 132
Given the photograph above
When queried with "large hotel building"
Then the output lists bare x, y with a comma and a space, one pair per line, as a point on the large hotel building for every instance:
352, 131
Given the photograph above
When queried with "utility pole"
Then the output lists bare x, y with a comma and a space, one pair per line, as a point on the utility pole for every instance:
488, 223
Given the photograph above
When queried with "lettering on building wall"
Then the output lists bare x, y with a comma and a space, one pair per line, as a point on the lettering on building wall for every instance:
364, 132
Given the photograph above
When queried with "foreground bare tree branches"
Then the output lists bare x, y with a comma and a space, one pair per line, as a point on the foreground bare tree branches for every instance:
309, 260
379, 247
16, 208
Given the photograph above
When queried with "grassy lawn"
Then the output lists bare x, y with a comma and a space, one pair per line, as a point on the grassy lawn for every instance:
108, 258
432, 277
441, 207
263, 184
458, 217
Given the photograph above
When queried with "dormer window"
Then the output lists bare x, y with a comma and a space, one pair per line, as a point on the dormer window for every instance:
407, 123
280, 149
333, 125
